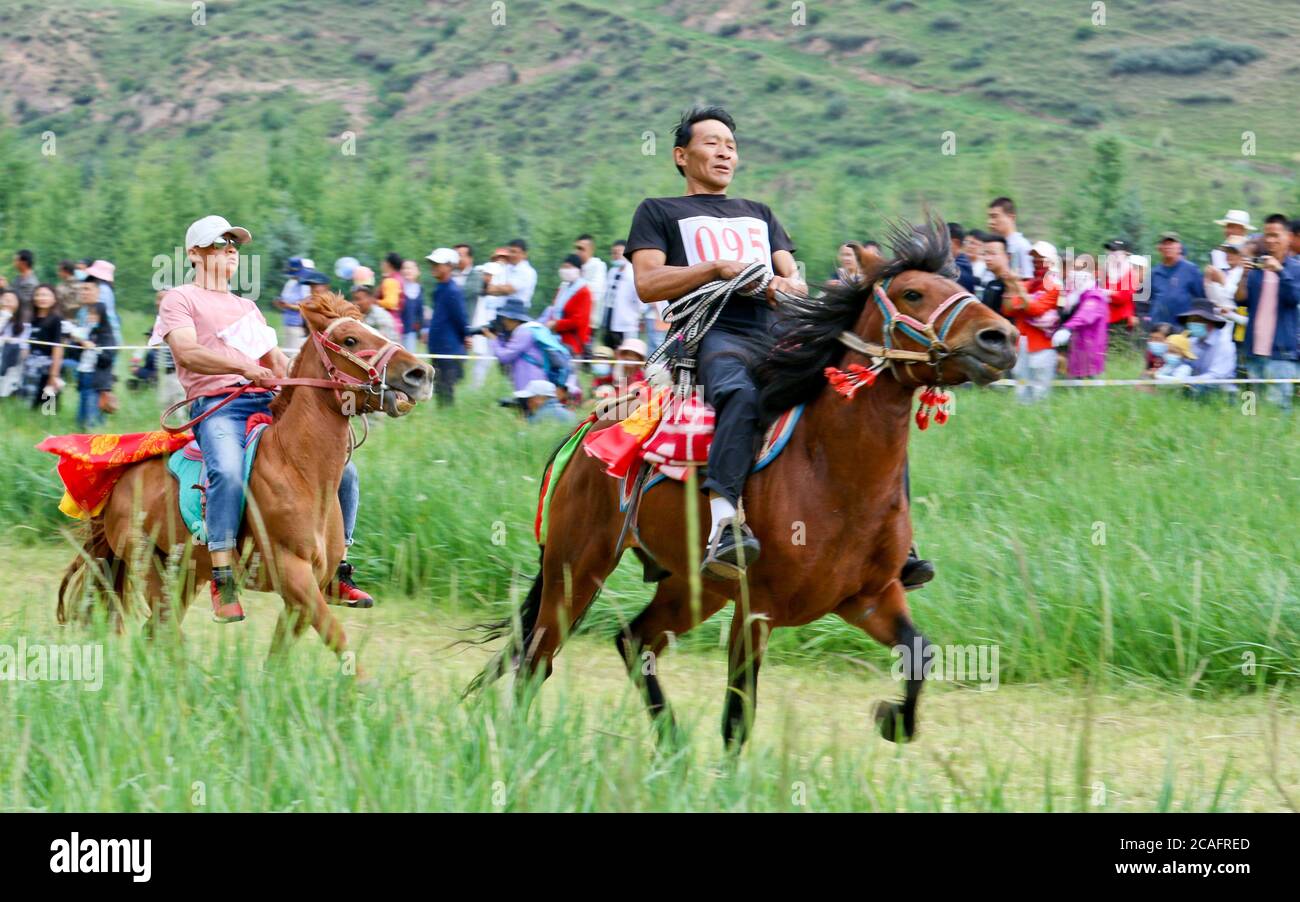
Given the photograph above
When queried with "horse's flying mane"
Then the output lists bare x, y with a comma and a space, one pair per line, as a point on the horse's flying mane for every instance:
327, 307
789, 362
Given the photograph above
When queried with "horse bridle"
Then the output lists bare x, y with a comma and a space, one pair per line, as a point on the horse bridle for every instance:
373, 362
923, 333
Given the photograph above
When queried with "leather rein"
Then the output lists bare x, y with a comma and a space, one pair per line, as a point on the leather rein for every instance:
374, 363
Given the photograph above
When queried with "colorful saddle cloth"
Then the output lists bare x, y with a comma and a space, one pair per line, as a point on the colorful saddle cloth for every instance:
90, 465
191, 475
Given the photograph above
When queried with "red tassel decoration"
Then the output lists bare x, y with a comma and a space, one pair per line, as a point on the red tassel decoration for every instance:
933, 403
847, 382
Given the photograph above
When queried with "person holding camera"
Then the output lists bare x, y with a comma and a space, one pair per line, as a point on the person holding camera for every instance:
513, 346
1271, 291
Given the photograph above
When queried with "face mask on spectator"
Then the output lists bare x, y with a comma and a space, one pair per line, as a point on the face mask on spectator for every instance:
568, 273
79, 275
1172, 359
1157, 348
600, 369
1197, 330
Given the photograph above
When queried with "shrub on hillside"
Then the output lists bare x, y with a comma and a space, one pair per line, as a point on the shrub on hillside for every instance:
1184, 59
900, 56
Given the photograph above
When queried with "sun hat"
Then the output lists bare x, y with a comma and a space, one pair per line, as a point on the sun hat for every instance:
1182, 345
344, 267
363, 275
636, 346
102, 270
537, 388
515, 309
604, 352
1235, 217
313, 277
203, 232
1202, 309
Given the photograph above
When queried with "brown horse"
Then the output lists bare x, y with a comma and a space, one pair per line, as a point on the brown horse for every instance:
292, 537
831, 512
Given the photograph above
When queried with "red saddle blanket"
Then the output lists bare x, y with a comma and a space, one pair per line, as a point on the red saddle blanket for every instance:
90, 465
672, 435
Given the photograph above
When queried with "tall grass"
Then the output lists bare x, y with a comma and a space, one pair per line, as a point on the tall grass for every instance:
1106, 532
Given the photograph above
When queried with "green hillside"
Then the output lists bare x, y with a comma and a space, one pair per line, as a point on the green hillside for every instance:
558, 119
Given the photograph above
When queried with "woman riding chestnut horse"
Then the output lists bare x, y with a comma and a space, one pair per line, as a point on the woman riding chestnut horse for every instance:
840, 475
293, 525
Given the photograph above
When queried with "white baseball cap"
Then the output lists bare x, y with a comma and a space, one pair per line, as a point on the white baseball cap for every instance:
1044, 249
535, 388
444, 255
203, 232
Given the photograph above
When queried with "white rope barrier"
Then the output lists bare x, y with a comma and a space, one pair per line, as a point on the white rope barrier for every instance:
1067, 383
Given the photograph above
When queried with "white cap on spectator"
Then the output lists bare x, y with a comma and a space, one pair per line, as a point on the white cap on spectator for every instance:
203, 232
444, 255
537, 388
1044, 249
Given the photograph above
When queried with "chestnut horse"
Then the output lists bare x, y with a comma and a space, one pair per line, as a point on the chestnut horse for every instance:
293, 527
831, 511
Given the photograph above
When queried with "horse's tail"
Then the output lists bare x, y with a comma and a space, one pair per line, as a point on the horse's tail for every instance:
95, 552
518, 628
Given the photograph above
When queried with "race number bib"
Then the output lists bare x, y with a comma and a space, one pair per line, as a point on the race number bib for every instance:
710, 238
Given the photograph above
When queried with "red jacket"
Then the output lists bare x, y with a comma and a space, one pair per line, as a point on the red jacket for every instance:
574, 323
1044, 293
1120, 285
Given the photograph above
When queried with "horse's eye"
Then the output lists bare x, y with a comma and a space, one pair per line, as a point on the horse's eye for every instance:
350, 342
912, 295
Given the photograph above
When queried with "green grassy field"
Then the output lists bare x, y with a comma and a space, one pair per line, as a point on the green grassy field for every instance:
1130, 554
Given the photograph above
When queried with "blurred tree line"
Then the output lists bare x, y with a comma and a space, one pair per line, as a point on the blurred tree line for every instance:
299, 192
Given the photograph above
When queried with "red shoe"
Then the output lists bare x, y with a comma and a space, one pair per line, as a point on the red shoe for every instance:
225, 602
346, 591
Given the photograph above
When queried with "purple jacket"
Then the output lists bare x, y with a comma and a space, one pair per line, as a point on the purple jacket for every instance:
1087, 325
519, 354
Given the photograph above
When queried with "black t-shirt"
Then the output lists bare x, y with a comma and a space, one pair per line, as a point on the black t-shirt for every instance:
48, 328
700, 228
992, 295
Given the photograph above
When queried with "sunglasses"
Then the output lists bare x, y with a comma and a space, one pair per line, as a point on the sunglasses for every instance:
223, 241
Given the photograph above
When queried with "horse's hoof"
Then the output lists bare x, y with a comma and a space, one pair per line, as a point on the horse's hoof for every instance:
893, 727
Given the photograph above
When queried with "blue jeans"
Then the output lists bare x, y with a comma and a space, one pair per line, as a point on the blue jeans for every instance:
221, 438
1271, 368
88, 416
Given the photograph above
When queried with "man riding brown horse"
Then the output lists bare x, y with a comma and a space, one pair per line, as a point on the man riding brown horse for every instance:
677, 245
219, 341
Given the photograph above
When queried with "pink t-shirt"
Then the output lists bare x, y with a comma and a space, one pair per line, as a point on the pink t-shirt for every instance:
223, 323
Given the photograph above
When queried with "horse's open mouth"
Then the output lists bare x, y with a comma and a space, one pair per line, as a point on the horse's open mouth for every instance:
977, 370
397, 403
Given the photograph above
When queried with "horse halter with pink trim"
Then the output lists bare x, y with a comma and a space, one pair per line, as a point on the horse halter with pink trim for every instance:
848, 381
374, 363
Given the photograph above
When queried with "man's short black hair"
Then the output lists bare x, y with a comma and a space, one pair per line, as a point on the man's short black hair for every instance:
585, 237
1278, 217
1294, 226
955, 231
394, 260
469, 249
519, 243
994, 238
67, 266
26, 256
870, 242
622, 242
682, 134
1005, 204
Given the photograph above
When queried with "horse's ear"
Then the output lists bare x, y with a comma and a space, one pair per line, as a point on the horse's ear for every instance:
315, 312
871, 262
